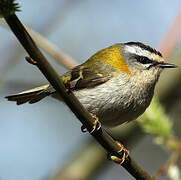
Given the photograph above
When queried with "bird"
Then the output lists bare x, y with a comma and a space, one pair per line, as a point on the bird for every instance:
116, 84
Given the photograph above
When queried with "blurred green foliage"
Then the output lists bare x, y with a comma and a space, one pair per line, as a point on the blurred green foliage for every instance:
156, 122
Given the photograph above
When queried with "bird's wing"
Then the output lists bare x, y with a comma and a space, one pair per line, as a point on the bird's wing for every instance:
82, 77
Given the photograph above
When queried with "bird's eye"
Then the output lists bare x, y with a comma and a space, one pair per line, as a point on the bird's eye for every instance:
144, 60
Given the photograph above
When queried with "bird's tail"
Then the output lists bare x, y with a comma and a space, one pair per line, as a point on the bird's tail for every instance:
32, 95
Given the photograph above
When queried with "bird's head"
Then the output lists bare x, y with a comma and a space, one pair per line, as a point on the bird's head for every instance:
143, 61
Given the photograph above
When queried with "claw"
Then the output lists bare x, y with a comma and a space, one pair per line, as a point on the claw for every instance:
67, 86
83, 129
30, 60
124, 153
96, 125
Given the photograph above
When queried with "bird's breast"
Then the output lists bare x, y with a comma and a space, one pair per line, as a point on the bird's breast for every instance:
117, 101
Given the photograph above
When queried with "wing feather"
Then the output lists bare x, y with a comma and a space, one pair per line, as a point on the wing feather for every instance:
81, 77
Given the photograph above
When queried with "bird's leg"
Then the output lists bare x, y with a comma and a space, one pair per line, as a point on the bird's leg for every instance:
30, 60
123, 151
96, 125
67, 86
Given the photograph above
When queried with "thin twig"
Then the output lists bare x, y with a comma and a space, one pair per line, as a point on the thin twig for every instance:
166, 46
61, 57
75, 167
173, 34
82, 114
52, 49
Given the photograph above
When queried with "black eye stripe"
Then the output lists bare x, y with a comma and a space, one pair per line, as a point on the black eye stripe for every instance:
143, 60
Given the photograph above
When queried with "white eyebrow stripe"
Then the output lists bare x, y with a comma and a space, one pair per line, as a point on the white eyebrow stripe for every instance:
138, 51
142, 52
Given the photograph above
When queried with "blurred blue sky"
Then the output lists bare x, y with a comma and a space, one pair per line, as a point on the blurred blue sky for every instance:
35, 140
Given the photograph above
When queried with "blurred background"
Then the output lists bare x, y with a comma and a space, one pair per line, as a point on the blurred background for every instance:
36, 141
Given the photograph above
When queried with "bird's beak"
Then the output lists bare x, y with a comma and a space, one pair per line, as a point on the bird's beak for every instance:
166, 65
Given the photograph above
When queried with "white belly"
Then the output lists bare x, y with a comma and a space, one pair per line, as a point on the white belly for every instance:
115, 101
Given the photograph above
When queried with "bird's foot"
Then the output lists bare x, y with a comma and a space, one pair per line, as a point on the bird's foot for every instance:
30, 60
67, 86
124, 152
96, 125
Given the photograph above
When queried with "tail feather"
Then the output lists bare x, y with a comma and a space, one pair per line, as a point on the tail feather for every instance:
31, 96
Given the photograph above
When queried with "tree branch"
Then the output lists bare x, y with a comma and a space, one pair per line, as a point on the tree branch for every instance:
61, 57
75, 167
81, 113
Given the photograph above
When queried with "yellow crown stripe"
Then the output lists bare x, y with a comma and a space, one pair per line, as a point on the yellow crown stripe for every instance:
114, 58
111, 56
118, 61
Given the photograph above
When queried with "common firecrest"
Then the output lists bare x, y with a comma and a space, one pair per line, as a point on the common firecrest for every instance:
116, 84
